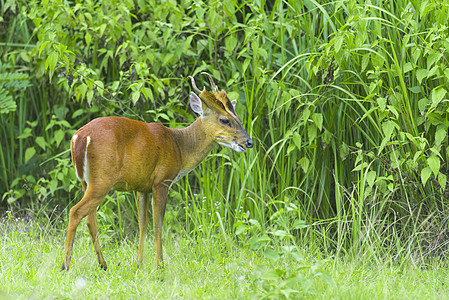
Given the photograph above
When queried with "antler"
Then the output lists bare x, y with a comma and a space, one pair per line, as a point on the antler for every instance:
194, 85
212, 83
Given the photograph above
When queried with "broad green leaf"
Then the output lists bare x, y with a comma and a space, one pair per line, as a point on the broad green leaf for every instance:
42, 47
382, 102
371, 178
312, 132
440, 135
88, 38
90, 96
258, 242
231, 43
434, 164
58, 136
338, 41
304, 164
388, 128
299, 224
29, 153
255, 223
437, 95
242, 228
26, 133
407, 67
432, 58
51, 62
421, 74
41, 142
135, 96
318, 119
271, 254
148, 94
360, 166
425, 174
297, 140
422, 104
306, 115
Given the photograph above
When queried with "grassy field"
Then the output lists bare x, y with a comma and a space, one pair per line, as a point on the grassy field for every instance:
199, 268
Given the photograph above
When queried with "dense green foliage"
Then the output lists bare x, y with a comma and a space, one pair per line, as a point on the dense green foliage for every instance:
346, 101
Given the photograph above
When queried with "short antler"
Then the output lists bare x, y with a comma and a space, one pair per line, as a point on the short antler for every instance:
194, 85
212, 83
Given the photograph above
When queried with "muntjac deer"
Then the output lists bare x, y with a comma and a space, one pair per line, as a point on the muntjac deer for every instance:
128, 155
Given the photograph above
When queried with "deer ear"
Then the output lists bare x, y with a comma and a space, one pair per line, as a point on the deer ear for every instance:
234, 103
196, 104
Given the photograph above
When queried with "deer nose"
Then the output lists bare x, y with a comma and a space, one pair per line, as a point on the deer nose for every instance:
249, 143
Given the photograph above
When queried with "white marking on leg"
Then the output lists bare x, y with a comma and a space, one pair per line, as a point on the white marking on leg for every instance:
86, 163
75, 136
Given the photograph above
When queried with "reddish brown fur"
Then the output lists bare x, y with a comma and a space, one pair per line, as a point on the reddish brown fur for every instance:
141, 144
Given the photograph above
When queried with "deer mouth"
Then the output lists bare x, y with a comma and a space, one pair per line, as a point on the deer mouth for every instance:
240, 148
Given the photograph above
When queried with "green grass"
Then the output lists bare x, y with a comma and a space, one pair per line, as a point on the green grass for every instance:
197, 268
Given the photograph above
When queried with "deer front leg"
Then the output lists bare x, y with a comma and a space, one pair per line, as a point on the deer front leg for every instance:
143, 201
159, 202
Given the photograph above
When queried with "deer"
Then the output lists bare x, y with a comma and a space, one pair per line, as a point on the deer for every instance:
122, 154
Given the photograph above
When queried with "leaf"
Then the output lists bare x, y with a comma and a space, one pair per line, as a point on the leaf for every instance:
51, 62
425, 174
382, 102
135, 96
434, 164
371, 177
388, 128
26, 133
148, 94
304, 163
271, 254
41, 142
440, 135
318, 119
297, 140
312, 132
259, 242
432, 58
59, 135
306, 115
88, 38
231, 43
407, 67
338, 42
29, 153
299, 224
7, 103
42, 47
437, 95
421, 74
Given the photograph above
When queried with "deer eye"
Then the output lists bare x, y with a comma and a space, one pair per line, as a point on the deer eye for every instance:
225, 122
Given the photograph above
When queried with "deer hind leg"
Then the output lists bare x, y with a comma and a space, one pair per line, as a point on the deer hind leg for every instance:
87, 205
143, 203
92, 226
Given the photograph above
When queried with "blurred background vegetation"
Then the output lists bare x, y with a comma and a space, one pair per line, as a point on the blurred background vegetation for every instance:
346, 101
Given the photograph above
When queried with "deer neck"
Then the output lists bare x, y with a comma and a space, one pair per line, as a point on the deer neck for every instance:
194, 144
